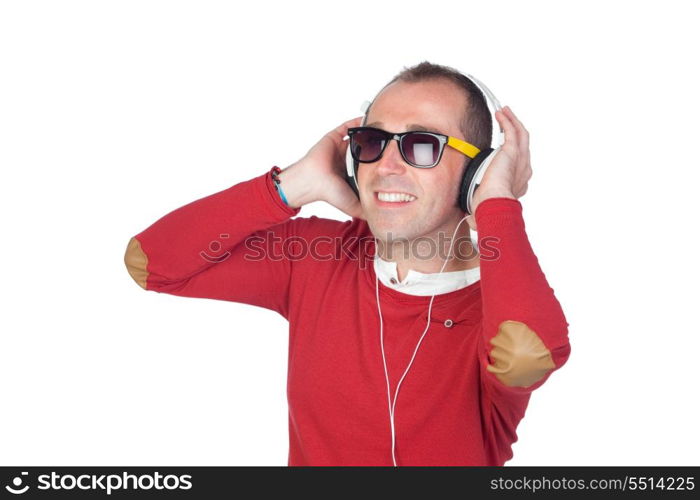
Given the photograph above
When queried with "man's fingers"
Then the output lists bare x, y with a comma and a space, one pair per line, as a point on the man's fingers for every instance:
511, 136
355, 122
523, 134
342, 129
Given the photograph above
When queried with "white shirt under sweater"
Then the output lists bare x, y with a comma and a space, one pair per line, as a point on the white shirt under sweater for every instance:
417, 283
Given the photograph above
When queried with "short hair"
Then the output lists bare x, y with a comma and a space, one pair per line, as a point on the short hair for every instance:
476, 122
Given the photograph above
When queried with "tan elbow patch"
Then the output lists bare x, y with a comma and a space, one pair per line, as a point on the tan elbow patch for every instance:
136, 262
520, 357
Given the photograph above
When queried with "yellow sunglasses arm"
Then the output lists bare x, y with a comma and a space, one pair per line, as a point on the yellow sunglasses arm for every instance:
463, 147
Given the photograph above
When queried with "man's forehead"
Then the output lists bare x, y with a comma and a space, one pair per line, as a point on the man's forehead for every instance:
411, 127
436, 111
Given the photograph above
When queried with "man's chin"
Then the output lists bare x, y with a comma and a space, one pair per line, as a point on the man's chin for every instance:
388, 232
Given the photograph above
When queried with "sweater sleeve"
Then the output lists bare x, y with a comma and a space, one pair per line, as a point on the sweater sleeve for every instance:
524, 330
219, 247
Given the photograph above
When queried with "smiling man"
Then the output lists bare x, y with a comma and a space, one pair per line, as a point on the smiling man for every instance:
437, 105
398, 355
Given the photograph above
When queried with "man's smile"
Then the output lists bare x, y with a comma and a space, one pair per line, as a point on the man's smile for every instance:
393, 198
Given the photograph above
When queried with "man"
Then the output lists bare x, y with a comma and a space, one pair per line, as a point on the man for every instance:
466, 346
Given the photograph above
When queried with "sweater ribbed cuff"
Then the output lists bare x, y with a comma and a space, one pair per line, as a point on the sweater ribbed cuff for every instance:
497, 206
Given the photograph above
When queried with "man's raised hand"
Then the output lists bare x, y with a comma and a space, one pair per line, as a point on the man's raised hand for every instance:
320, 174
509, 172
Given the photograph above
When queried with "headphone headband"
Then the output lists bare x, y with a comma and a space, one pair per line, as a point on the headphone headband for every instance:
495, 106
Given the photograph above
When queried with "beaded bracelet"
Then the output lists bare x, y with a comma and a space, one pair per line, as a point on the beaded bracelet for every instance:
275, 172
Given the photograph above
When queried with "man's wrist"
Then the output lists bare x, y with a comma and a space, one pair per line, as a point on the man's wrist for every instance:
294, 185
275, 172
480, 196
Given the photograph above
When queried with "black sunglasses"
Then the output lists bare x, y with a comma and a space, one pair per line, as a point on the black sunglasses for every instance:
418, 149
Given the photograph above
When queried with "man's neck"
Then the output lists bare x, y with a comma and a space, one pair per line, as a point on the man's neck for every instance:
425, 257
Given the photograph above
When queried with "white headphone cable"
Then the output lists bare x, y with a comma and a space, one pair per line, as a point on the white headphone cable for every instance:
392, 406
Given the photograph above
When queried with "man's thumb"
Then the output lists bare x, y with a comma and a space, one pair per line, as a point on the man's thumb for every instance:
354, 209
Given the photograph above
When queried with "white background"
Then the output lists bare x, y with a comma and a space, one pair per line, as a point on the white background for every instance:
112, 114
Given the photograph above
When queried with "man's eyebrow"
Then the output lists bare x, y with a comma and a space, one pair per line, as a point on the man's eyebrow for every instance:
414, 127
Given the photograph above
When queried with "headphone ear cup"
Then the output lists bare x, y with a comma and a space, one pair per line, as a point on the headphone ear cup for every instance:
468, 177
351, 171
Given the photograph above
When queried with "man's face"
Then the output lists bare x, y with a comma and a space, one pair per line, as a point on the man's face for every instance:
436, 106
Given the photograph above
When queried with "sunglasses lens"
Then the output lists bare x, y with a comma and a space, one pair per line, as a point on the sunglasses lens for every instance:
367, 145
421, 149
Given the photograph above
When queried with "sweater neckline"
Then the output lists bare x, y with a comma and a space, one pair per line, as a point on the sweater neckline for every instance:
446, 299
424, 284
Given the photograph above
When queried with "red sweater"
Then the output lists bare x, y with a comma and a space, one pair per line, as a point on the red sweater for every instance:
451, 408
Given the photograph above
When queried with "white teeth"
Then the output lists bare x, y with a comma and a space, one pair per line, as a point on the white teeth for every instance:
394, 197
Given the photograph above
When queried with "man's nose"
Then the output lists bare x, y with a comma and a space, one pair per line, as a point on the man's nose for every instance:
391, 162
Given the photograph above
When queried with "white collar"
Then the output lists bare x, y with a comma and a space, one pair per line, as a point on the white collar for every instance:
417, 283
